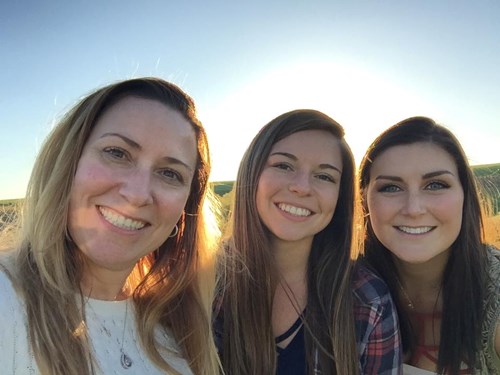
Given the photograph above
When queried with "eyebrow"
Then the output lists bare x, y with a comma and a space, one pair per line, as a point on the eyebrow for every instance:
137, 146
293, 157
127, 140
424, 177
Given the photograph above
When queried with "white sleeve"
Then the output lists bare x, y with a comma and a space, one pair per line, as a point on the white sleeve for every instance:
14, 351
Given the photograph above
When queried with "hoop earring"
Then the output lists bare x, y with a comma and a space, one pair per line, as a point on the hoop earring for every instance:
175, 232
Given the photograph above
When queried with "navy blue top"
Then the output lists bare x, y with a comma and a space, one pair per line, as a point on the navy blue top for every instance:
291, 359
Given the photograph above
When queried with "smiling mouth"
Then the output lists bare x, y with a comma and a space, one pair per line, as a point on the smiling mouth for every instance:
296, 211
414, 230
120, 221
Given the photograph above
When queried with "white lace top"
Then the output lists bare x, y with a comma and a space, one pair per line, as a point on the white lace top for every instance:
105, 322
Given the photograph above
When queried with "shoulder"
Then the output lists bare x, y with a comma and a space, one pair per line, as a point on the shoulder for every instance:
13, 328
368, 287
493, 256
493, 259
11, 306
493, 287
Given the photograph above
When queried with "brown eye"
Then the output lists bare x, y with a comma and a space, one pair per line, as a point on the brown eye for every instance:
115, 152
171, 175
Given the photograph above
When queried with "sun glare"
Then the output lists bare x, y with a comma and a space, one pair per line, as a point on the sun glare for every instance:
363, 103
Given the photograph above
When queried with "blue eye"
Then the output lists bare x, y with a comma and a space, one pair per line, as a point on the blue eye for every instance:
389, 189
436, 185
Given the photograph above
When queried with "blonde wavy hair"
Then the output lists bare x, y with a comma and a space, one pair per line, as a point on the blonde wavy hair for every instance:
173, 285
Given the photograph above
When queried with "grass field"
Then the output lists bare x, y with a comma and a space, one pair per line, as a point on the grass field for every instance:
492, 230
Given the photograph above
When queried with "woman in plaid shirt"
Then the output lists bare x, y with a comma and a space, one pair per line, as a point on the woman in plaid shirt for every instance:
292, 300
423, 220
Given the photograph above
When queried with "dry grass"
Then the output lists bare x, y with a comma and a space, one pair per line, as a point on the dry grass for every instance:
492, 230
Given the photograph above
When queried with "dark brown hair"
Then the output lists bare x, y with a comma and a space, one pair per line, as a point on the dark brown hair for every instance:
464, 278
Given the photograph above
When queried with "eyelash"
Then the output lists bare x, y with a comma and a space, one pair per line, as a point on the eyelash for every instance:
392, 188
119, 154
282, 166
287, 167
113, 151
442, 185
170, 174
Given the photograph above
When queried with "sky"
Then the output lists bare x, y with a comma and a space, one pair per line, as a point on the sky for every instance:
367, 64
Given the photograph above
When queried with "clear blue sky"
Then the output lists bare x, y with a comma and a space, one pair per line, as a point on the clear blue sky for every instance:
368, 64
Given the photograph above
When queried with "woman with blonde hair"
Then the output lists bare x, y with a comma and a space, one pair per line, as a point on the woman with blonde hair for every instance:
114, 268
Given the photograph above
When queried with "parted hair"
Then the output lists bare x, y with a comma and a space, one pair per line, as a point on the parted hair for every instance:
250, 275
172, 285
465, 276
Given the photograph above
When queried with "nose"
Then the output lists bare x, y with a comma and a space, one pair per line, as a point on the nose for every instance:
300, 184
414, 204
136, 188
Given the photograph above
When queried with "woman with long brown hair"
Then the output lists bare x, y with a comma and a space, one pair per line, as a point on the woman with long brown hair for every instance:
424, 237
292, 300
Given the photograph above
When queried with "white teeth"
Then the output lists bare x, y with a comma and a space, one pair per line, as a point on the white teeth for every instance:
121, 221
415, 230
297, 211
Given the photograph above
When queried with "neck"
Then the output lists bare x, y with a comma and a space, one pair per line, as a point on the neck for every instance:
291, 260
422, 282
108, 285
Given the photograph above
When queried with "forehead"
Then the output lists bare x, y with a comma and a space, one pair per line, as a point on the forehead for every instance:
134, 112
319, 144
149, 123
419, 157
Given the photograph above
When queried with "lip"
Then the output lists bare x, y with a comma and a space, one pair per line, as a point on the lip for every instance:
415, 230
121, 221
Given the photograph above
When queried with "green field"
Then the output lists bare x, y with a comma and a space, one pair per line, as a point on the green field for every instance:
488, 177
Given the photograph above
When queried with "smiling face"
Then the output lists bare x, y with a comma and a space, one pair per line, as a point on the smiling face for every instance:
299, 185
132, 182
415, 201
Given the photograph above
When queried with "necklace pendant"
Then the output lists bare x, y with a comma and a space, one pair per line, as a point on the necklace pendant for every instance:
126, 361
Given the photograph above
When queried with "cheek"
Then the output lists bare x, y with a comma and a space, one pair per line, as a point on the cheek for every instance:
332, 201
171, 205
377, 209
451, 209
262, 193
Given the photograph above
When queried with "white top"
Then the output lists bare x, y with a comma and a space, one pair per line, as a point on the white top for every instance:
411, 370
105, 322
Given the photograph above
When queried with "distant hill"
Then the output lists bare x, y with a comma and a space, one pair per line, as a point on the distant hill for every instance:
222, 187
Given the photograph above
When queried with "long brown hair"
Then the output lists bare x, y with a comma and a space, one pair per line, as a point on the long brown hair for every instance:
465, 275
249, 277
173, 285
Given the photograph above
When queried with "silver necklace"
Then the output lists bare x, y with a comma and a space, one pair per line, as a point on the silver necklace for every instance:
408, 299
125, 359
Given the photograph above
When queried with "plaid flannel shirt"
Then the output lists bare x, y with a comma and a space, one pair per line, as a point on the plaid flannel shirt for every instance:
377, 329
